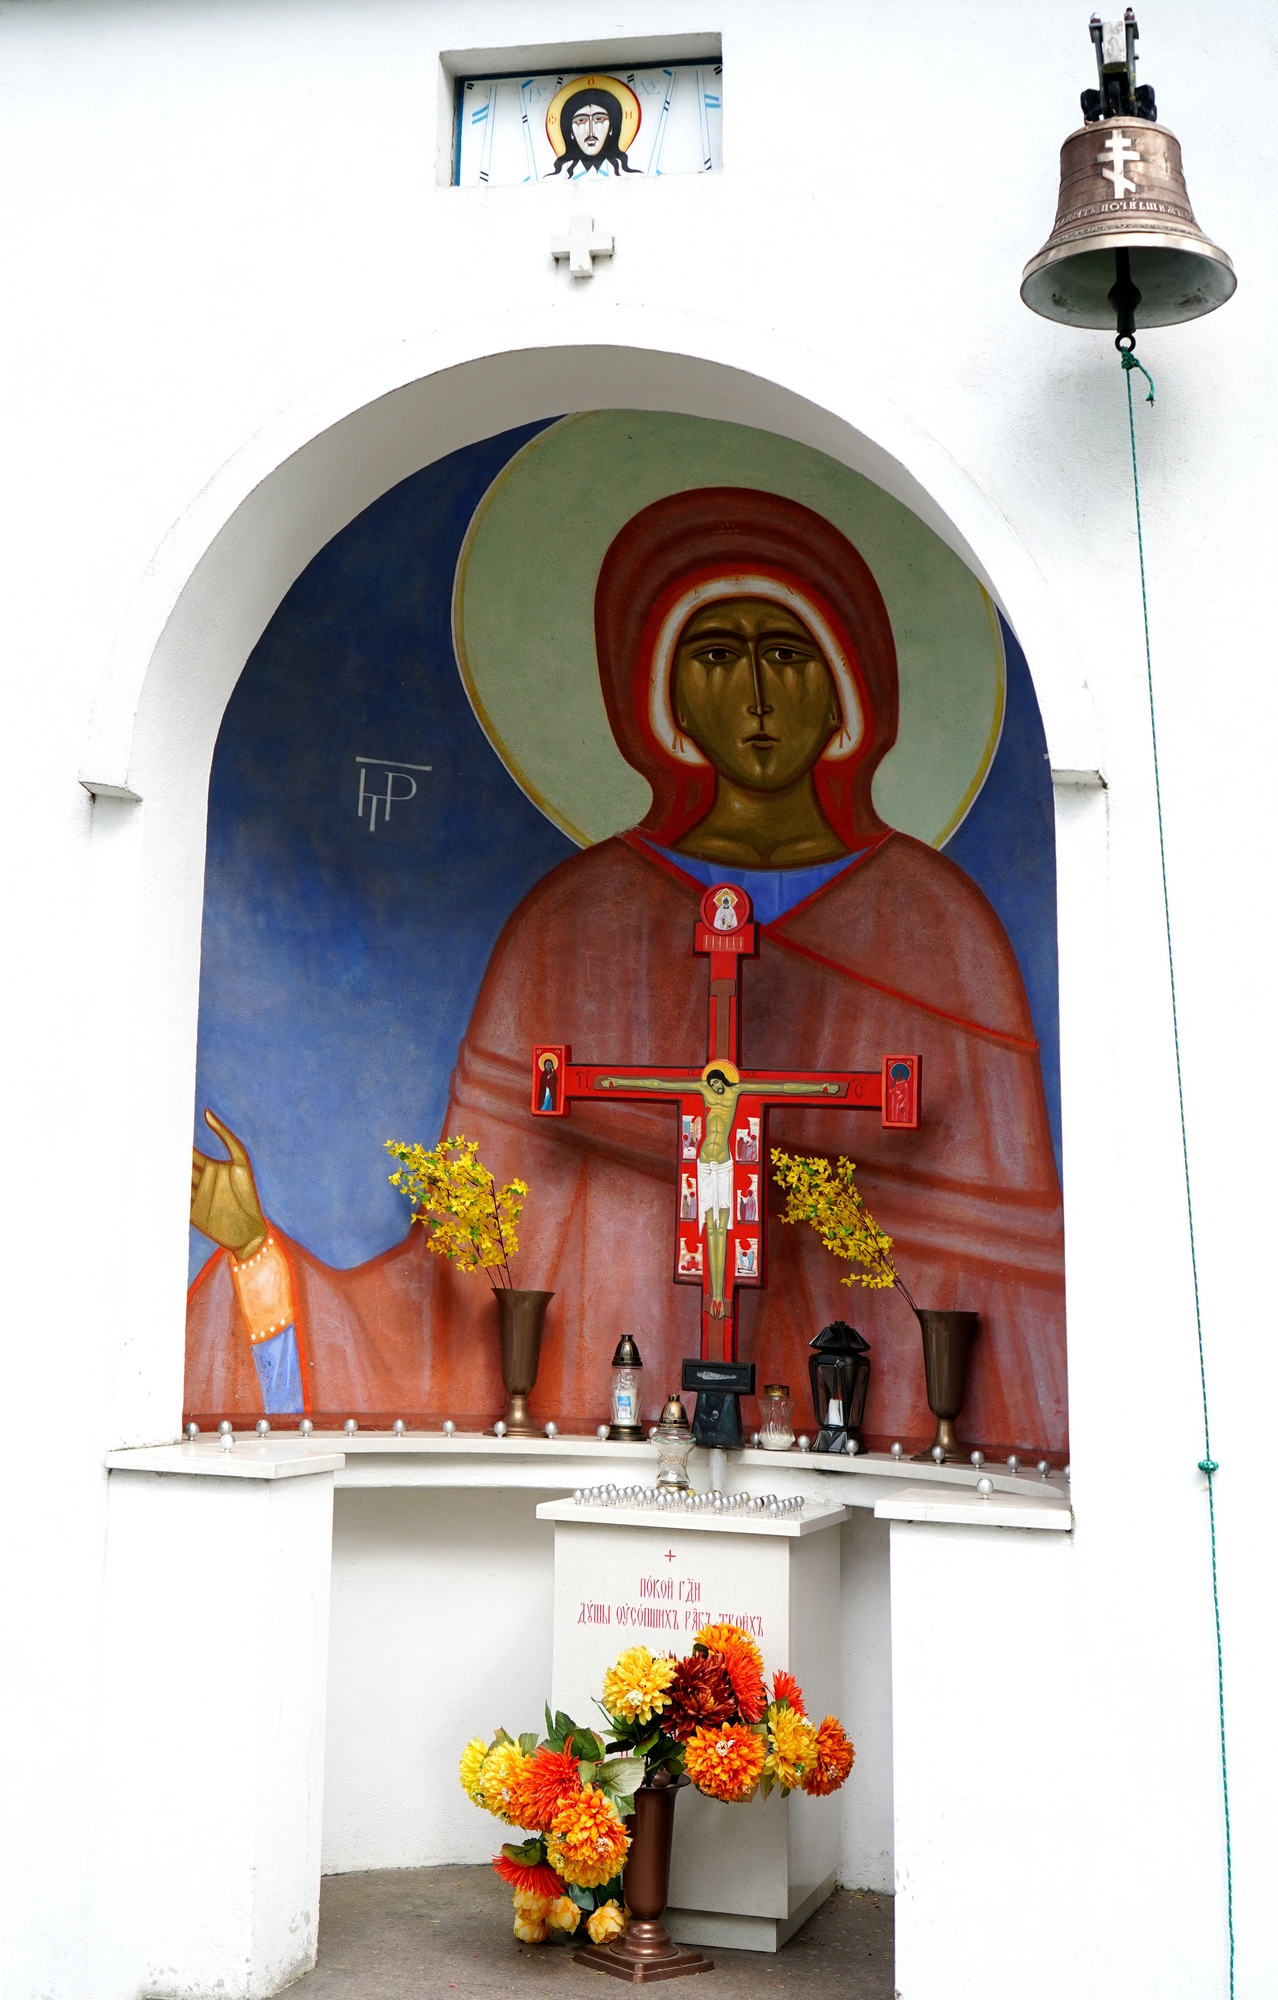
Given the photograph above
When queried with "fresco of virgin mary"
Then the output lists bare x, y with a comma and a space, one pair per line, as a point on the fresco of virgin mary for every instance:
748, 670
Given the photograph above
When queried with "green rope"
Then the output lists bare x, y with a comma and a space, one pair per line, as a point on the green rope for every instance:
1206, 1463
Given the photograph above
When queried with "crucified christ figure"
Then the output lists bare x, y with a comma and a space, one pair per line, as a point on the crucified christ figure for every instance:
720, 1088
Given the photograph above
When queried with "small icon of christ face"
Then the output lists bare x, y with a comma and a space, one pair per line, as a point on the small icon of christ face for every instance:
590, 129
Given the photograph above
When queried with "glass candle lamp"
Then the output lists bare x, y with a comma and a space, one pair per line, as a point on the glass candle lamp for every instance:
839, 1367
673, 1442
627, 1386
776, 1406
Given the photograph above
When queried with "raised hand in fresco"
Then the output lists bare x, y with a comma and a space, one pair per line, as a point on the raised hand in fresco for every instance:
224, 1203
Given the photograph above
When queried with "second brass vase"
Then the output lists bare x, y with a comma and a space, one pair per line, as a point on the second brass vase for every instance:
523, 1319
645, 1951
947, 1340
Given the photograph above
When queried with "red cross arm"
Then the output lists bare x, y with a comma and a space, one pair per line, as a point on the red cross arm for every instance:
893, 1088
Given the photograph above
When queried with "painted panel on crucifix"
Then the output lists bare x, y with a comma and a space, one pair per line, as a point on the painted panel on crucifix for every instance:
494, 758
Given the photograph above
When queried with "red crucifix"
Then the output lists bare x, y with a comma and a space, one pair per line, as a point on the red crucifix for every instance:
720, 1238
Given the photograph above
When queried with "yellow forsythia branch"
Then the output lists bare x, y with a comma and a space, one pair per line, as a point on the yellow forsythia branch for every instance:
828, 1200
469, 1219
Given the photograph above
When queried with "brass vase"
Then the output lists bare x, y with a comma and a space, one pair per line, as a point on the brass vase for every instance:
645, 1951
523, 1317
947, 1337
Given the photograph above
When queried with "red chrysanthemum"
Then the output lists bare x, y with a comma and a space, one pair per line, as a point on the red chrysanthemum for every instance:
701, 1696
539, 1880
786, 1688
546, 1780
835, 1758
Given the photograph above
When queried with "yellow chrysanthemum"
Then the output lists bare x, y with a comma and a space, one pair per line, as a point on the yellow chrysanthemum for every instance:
563, 1914
634, 1690
726, 1763
608, 1921
587, 1843
498, 1783
472, 1762
528, 1904
792, 1747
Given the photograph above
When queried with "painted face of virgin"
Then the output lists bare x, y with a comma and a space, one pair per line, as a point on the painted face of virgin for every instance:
590, 129
754, 691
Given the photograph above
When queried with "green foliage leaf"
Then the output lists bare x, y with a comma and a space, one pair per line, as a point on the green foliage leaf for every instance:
528, 1742
620, 1776
526, 1856
564, 1725
583, 1898
502, 1736
586, 1770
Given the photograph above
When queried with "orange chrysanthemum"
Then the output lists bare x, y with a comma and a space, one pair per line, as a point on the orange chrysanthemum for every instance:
726, 1763
744, 1662
539, 1880
545, 1781
786, 1688
588, 1842
835, 1758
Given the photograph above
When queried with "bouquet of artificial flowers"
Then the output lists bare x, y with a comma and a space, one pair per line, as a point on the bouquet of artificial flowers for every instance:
712, 1716
709, 1719
572, 1799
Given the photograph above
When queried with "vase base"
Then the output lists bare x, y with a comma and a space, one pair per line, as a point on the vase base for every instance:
641, 1961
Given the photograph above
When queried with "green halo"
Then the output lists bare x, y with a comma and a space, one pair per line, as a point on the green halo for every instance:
523, 614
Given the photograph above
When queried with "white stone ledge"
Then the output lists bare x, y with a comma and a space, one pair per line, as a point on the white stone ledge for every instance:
813, 1518
281, 1458
969, 1510
551, 1465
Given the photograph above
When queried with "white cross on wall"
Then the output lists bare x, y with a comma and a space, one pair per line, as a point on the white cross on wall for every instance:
1118, 153
581, 246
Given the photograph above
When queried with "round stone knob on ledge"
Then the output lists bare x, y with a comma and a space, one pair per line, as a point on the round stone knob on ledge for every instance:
1013, 1464
499, 1429
601, 1432
985, 1487
226, 1429
192, 1432
978, 1459
399, 1427
805, 1443
898, 1451
305, 1428
350, 1427
227, 1441
263, 1428
449, 1427
1043, 1468
552, 1430
938, 1453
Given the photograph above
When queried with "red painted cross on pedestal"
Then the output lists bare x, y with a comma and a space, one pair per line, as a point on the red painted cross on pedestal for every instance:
720, 1237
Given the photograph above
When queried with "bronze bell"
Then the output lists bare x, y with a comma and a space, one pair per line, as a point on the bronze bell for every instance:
1125, 244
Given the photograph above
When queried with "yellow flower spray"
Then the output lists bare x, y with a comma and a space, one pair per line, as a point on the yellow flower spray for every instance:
829, 1201
457, 1201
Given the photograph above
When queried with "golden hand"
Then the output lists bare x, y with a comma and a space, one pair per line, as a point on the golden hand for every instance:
224, 1201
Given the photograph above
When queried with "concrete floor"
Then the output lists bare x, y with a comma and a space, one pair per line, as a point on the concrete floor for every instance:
414, 1933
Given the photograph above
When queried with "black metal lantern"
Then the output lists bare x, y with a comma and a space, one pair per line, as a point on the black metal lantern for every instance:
840, 1370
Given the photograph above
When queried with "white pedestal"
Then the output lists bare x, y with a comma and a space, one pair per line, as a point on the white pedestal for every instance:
744, 1876
213, 1721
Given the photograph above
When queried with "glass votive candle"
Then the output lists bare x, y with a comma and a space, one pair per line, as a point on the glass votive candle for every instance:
776, 1405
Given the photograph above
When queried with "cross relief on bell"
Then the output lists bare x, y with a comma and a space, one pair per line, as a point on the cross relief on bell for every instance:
1125, 243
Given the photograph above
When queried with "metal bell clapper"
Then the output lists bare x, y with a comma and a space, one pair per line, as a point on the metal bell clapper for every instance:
672, 1441
1124, 244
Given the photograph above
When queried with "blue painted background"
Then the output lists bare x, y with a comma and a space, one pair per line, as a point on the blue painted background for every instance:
340, 966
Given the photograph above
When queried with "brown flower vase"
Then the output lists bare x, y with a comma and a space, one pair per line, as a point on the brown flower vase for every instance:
645, 1951
947, 1337
523, 1317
